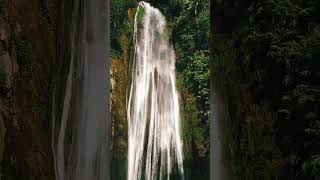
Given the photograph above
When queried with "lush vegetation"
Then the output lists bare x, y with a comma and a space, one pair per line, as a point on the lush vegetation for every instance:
268, 73
188, 29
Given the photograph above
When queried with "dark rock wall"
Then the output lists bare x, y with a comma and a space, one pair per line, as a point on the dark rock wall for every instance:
27, 55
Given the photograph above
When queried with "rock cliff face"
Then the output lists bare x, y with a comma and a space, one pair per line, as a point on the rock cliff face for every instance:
27, 54
120, 81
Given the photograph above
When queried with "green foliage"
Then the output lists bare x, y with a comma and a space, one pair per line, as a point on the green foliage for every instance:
191, 42
256, 146
194, 137
123, 36
118, 15
140, 15
189, 126
312, 166
190, 35
114, 54
276, 60
197, 79
120, 25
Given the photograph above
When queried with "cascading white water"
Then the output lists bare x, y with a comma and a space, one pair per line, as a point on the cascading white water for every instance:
153, 108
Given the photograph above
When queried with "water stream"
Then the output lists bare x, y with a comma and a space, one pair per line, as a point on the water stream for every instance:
80, 121
155, 145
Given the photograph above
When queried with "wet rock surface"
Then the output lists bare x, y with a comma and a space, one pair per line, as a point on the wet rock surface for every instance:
27, 52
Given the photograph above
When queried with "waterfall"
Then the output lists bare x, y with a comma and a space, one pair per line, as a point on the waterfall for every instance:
80, 102
153, 108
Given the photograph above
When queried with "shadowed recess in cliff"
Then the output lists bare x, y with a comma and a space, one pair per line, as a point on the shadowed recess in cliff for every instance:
80, 110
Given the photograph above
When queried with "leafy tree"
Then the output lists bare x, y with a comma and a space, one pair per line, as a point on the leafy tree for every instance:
277, 55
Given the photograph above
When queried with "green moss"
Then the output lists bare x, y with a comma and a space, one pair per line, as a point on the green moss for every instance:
168, 31
141, 13
40, 111
23, 48
114, 54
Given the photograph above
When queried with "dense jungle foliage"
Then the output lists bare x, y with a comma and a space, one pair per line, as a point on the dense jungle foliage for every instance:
266, 67
188, 29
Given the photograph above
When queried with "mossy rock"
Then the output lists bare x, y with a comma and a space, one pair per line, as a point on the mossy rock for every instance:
141, 12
